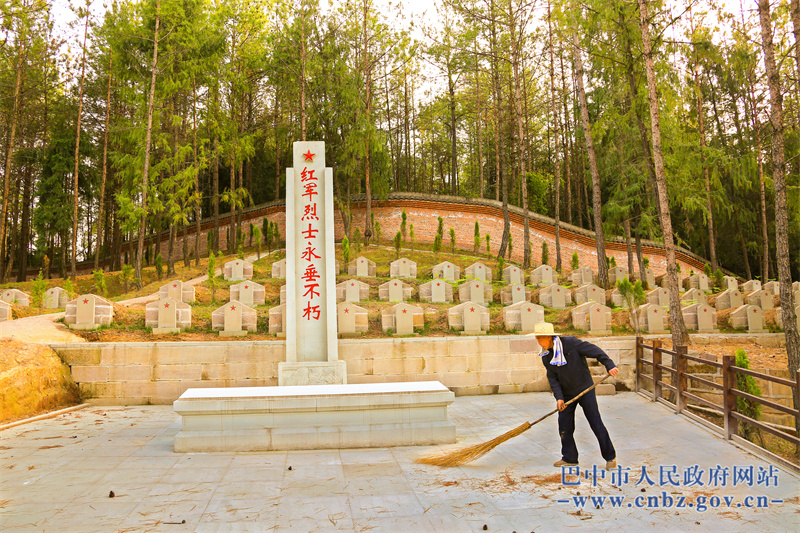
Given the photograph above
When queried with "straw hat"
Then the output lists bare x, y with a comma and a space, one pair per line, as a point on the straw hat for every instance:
544, 329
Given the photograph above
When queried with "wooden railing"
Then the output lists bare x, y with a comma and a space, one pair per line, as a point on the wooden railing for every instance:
652, 371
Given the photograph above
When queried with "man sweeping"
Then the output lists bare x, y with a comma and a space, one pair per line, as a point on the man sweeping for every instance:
568, 374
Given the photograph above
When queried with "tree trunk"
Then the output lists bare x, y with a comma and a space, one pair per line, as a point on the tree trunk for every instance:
24, 237
680, 337
478, 125
556, 136
9, 157
522, 145
597, 206
77, 154
148, 136
744, 247
626, 226
368, 101
712, 243
781, 210
104, 170
197, 198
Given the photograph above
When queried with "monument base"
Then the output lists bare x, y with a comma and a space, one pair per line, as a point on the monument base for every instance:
83, 327
375, 415
161, 331
241, 333
312, 373
477, 332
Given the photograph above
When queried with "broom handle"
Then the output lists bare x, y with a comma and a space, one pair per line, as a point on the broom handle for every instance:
576, 398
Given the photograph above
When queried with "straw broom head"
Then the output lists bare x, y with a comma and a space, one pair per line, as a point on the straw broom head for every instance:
470, 453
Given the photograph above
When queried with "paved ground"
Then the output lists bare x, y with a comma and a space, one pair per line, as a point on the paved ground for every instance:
56, 475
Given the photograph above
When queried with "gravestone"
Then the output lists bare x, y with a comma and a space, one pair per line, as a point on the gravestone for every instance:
728, 299
614, 297
522, 316
692, 296
402, 318
237, 270
469, 317
403, 268
616, 273
582, 276
698, 281
751, 286
15, 296
282, 296
772, 287
700, 317
279, 269
729, 282
234, 319
660, 296
555, 296
652, 318
476, 291
513, 275
5, 311
649, 278
249, 293
312, 347
352, 319
479, 271
168, 315
543, 276
362, 268
779, 317
88, 311
662, 281
277, 320
447, 270
177, 290
589, 293
514, 293
395, 290
437, 291
749, 317
760, 298
592, 317
352, 290
55, 298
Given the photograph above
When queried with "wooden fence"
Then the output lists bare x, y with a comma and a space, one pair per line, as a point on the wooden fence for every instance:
654, 370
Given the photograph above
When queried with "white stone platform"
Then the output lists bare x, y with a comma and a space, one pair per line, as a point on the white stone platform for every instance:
309, 417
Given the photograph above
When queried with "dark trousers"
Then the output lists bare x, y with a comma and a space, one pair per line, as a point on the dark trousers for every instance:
566, 429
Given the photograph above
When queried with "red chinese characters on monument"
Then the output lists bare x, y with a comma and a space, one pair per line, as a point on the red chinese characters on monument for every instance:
310, 221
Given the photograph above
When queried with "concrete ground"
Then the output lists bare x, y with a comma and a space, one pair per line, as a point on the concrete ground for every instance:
57, 475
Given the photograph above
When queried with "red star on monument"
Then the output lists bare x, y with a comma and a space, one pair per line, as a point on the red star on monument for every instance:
479, 267
404, 311
438, 284
86, 301
52, 292
395, 284
246, 287
471, 309
448, 266
233, 308
309, 156
166, 306
519, 289
237, 263
175, 285
477, 285
346, 310
529, 309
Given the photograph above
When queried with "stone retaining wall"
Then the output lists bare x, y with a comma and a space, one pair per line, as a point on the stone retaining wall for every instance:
159, 372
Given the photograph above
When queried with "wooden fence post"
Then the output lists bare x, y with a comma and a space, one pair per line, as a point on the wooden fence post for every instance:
796, 394
730, 425
656, 369
681, 365
638, 352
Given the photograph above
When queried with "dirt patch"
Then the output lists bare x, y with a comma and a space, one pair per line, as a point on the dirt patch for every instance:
32, 380
760, 357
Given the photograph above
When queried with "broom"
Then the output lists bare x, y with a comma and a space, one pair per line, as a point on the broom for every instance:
470, 453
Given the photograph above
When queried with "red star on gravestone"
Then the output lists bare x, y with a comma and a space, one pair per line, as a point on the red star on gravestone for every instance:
529, 309
352, 284
404, 261
166, 306
52, 292
233, 308
479, 267
237, 263
85, 300
438, 284
346, 310
558, 290
309, 156
471, 309
395, 284
246, 287
519, 289
477, 285
175, 285
404, 311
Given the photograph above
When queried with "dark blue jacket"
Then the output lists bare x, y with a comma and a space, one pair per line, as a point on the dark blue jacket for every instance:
567, 381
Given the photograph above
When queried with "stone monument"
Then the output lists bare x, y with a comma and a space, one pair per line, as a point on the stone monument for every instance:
437, 291
249, 293
514, 293
616, 273
15, 296
177, 290
469, 318
403, 268
729, 282
589, 293
513, 275
751, 286
88, 311
760, 298
279, 269
5, 311
700, 317
234, 319
660, 296
362, 268
312, 349
167, 316
582, 276
543, 276
447, 270
522, 316
352, 290
692, 296
402, 318
555, 296
55, 298
352, 319
592, 317
476, 291
480, 271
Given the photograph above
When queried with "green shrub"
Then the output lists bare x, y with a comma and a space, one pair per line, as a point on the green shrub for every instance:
477, 242
575, 263
357, 239
501, 265
345, 251
437, 244
212, 276
412, 236
646, 261
633, 296
100, 281
746, 406
127, 275
257, 236
403, 221
69, 288
545, 253
719, 278
252, 233
397, 241
452, 241
488, 241
707, 270
510, 246
38, 289
378, 232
